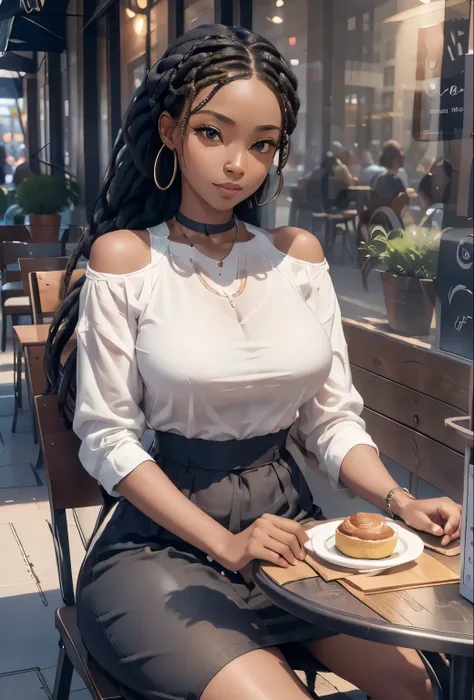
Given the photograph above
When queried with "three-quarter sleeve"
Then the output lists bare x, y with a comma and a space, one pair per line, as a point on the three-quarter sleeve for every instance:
330, 423
108, 416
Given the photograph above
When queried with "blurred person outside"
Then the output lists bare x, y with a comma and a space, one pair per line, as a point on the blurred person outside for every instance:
369, 168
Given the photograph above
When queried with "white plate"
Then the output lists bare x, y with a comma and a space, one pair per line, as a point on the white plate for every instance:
323, 543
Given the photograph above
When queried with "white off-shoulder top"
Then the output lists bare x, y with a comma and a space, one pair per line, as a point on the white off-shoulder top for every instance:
185, 346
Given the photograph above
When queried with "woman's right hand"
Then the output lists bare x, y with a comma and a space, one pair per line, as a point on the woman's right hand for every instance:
270, 538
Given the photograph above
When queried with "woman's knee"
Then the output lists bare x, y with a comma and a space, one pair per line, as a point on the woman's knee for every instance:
262, 674
382, 671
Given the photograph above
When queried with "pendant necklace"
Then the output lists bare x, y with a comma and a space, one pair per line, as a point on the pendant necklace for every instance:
220, 263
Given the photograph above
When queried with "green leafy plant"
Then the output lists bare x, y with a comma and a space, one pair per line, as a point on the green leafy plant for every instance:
409, 252
43, 194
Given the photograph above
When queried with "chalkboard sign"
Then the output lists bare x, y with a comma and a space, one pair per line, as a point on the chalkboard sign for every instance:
454, 292
440, 81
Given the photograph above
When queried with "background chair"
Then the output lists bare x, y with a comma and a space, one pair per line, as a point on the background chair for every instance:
15, 300
45, 285
14, 233
47, 291
25, 334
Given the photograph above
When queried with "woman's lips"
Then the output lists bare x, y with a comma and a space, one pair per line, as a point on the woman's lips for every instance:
229, 189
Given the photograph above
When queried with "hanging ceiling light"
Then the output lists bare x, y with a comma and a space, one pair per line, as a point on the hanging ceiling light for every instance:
276, 19
280, 3
139, 7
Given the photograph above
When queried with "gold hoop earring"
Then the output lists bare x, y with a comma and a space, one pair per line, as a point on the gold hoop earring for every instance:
175, 169
275, 196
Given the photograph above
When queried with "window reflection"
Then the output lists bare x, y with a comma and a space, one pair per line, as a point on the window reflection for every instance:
198, 12
394, 72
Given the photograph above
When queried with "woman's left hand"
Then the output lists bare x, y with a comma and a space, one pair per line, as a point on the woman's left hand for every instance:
439, 516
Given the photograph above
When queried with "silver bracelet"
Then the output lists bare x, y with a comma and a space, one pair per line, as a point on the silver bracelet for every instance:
390, 495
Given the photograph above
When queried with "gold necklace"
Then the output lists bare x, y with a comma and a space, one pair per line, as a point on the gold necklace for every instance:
230, 297
220, 263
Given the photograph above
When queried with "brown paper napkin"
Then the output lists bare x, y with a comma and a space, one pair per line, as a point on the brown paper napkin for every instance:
328, 571
425, 571
432, 542
298, 572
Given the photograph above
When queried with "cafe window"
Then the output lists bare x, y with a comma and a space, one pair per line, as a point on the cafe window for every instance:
158, 30
412, 86
133, 30
103, 85
198, 12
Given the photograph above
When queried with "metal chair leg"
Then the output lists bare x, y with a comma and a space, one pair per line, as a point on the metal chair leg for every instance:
16, 385
63, 680
4, 332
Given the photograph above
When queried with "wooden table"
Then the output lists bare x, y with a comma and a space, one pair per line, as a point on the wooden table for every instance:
432, 619
29, 337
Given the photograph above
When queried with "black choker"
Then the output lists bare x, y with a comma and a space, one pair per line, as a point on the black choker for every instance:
206, 229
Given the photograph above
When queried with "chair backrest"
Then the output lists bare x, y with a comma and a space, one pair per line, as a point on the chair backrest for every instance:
35, 368
69, 485
47, 291
9, 255
14, 233
28, 265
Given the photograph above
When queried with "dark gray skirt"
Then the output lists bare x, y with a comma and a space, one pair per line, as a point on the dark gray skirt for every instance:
157, 613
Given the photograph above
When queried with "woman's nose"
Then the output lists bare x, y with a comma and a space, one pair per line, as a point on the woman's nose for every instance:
236, 163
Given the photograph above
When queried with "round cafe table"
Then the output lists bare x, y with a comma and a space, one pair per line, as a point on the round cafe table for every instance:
432, 619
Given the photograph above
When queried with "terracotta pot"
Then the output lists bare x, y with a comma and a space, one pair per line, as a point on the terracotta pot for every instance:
410, 303
44, 228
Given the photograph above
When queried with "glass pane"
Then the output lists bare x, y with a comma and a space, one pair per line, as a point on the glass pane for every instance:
133, 29
198, 12
158, 30
395, 71
104, 99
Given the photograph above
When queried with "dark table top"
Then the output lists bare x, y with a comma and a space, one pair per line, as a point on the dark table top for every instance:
435, 618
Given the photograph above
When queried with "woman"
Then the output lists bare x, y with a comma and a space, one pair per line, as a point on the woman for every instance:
217, 335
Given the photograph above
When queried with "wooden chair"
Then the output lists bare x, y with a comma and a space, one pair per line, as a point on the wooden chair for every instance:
47, 291
45, 285
14, 300
24, 334
9, 234
69, 487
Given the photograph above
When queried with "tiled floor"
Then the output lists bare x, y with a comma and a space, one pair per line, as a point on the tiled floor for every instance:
28, 581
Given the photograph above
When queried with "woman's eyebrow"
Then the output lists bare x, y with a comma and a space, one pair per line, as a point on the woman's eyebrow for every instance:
231, 122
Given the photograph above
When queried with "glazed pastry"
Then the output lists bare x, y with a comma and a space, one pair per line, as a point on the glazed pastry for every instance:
366, 536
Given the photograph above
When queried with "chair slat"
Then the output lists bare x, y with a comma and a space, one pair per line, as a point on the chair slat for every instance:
47, 291
70, 486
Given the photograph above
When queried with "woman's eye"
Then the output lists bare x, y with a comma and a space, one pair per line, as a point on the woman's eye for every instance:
263, 146
209, 133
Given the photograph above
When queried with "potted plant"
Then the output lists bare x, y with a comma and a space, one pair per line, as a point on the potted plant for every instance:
409, 261
42, 197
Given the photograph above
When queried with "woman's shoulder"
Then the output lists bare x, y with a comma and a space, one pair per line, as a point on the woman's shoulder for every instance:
121, 252
298, 244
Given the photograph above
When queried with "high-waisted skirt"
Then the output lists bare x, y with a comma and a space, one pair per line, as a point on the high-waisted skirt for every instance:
158, 614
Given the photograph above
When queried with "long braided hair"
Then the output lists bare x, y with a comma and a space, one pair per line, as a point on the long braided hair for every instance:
208, 55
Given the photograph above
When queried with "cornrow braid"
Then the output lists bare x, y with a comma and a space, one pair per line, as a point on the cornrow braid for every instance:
210, 55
